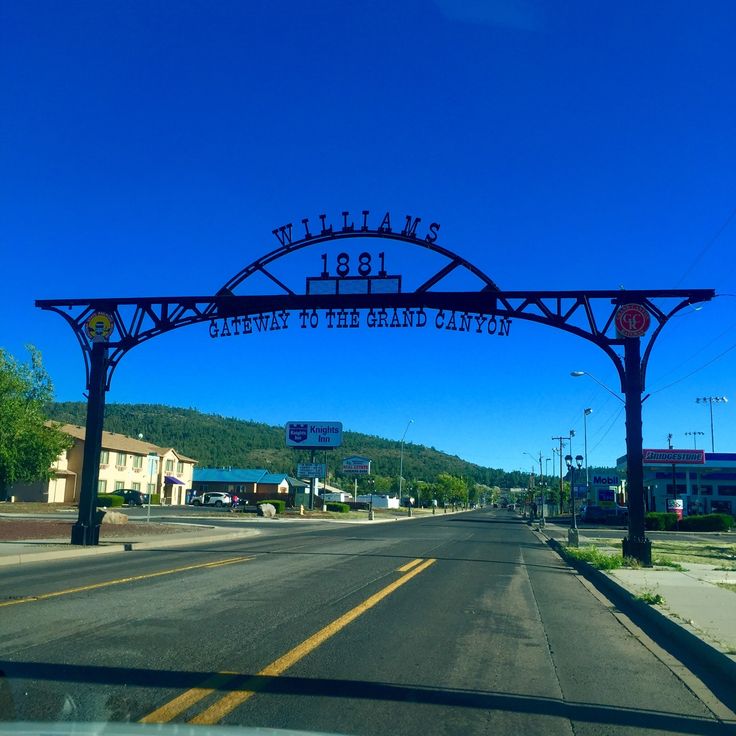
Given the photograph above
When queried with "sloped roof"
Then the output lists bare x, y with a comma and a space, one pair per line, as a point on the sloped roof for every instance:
121, 442
244, 475
274, 478
230, 475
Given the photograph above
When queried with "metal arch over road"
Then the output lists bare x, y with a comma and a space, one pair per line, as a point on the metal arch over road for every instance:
107, 328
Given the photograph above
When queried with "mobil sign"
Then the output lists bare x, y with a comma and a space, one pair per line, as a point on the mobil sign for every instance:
356, 465
314, 435
605, 480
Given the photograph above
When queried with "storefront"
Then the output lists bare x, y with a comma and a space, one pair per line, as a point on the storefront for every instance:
705, 482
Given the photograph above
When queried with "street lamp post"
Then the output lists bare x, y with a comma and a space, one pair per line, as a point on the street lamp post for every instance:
573, 537
401, 458
586, 412
710, 400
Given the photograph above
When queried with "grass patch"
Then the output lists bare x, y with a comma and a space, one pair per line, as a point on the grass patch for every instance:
593, 556
666, 562
708, 553
31, 507
728, 586
650, 598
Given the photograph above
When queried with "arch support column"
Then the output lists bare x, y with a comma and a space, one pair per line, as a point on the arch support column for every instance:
636, 544
86, 530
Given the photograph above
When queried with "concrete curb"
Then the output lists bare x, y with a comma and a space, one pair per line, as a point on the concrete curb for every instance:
22, 558
704, 653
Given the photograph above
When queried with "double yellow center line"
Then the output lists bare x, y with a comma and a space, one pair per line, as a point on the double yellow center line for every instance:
226, 704
120, 581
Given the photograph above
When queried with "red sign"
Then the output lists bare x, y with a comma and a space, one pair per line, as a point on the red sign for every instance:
673, 457
632, 320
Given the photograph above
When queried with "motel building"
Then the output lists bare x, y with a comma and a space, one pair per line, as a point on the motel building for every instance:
124, 464
696, 481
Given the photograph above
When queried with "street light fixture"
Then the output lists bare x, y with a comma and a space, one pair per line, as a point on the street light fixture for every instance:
401, 458
573, 538
710, 400
695, 438
577, 374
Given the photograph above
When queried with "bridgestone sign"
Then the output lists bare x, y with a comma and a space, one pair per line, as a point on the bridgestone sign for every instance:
670, 457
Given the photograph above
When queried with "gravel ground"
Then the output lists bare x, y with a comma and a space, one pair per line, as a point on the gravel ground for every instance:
14, 530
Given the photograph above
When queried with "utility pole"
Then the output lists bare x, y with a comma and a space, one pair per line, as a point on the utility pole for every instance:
562, 441
542, 481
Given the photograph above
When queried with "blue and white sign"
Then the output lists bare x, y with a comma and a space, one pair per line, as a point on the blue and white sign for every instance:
311, 470
357, 465
314, 435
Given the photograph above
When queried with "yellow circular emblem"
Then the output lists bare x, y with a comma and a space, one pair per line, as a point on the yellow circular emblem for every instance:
99, 326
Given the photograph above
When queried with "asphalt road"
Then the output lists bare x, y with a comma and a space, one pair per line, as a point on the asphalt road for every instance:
462, 624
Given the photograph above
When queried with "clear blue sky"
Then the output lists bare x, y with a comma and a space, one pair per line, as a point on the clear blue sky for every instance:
149, 148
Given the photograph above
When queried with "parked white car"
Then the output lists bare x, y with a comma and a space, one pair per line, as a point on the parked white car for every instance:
213, 499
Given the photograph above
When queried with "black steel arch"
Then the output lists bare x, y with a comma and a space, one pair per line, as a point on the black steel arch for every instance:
289, 247
590, 314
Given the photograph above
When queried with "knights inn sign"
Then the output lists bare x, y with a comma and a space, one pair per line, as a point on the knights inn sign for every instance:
354, 282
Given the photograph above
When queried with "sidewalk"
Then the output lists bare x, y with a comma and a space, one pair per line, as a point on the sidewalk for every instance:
694, 609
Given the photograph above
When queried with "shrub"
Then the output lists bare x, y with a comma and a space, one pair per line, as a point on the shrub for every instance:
109, 500
707, 523
155, 499
660, 521
340, 508
279, 504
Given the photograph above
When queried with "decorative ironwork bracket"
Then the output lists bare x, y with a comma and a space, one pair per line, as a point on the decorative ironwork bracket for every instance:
587, 314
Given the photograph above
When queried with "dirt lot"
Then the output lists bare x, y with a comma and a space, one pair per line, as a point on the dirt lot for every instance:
14, 530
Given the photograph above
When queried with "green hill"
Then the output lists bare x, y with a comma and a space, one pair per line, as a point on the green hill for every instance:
217, 441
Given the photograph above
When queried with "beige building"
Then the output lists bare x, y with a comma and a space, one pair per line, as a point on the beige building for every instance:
124, 464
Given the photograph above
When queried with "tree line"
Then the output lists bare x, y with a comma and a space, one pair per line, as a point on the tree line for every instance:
28, 446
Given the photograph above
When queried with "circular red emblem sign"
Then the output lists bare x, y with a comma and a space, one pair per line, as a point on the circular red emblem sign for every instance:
632, 320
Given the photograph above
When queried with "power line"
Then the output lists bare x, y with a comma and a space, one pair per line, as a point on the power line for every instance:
697, 370
708, 245
610, 427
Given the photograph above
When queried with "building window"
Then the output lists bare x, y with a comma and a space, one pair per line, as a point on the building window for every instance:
180, 467
681, 489
101, 486
122, 459
136, 486
137, 461
169, 466
104, 457
706, 490
727, 490
119, 485
152, 488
